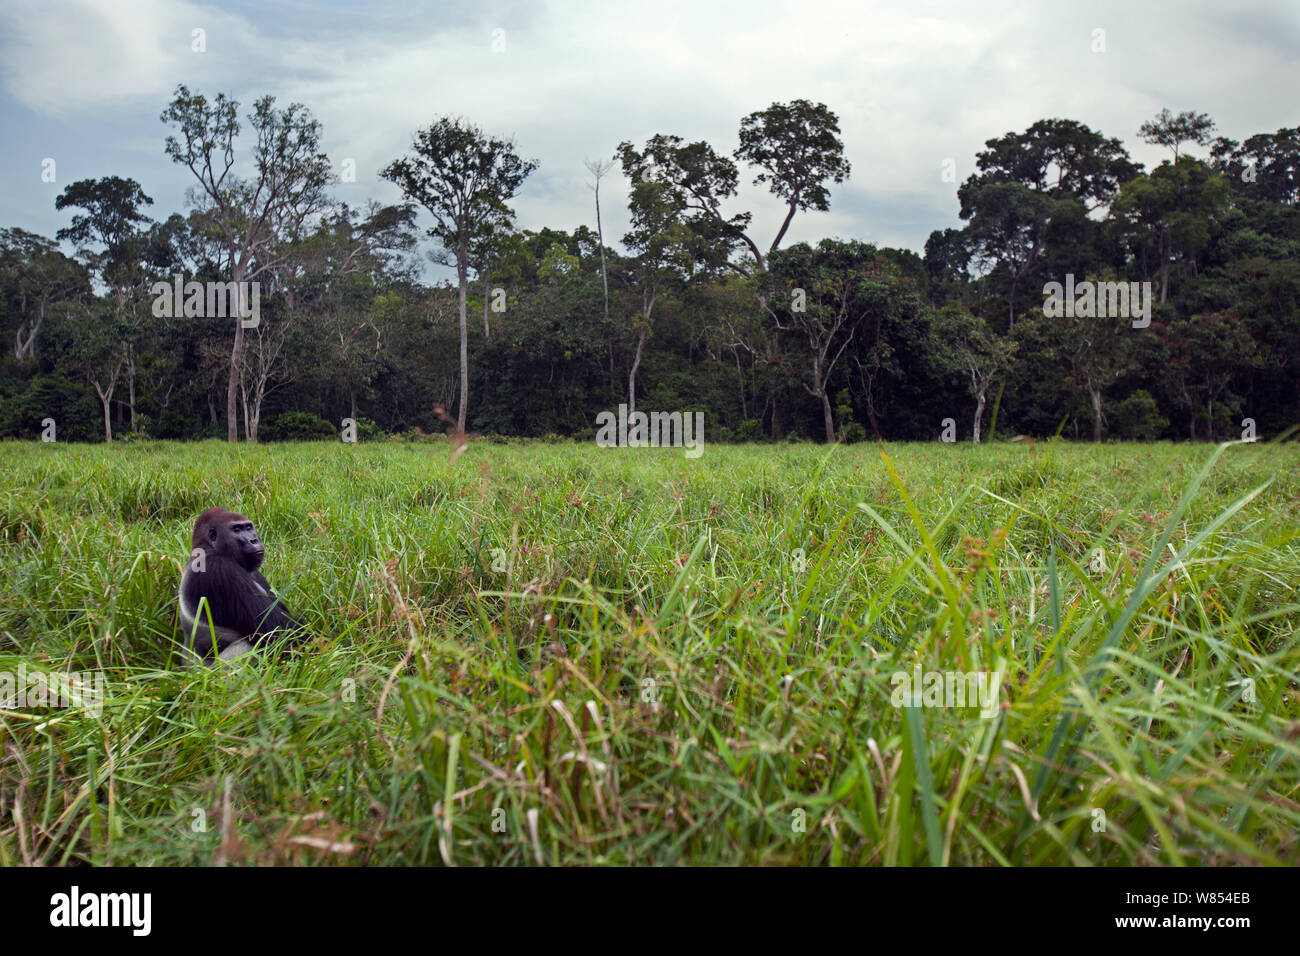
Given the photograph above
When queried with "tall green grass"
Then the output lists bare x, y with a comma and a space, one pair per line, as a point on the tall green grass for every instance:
564, 654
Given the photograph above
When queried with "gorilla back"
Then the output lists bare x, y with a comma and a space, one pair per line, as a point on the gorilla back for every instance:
221, 580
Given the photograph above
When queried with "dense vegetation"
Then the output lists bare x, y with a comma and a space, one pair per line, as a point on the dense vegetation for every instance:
557, 653
842, 339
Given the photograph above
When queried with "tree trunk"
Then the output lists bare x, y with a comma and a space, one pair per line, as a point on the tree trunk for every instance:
486, 331
826, 416
1094, 394
647, 310
236, 357
26, 348
462, 273
130, 382
980, 401
613, 381
600, 237
106, 399
631, 376
794, 204
875, 422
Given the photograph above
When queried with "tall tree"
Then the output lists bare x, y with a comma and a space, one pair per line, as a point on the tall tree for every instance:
98, 350
662, 245
1266, 166
464, 179
1174, 211
113, 219
1025, 181
963, 342
795, 146
1062, 158
1009, 225
1205, 352
598, 168
1172, 131
821, 296
255, 217
1097, 350
798, 149
36, 278
701, 181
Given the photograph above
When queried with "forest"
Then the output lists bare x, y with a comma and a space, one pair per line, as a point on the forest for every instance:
692, 310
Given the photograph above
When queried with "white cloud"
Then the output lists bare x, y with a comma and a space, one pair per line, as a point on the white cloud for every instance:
914, 82
71, 56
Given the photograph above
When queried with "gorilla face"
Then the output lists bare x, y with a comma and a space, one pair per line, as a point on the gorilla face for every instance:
237, 539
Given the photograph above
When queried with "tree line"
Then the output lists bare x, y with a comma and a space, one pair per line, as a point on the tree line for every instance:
842, 340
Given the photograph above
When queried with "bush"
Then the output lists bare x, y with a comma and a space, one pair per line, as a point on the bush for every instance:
1138, 418
852, 433
369, 431
299, 426
142, 432
751, 429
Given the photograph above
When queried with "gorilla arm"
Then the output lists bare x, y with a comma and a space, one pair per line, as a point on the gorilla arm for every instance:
242, 604
276, 617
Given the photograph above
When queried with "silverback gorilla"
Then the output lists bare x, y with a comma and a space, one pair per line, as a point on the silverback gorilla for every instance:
221, 577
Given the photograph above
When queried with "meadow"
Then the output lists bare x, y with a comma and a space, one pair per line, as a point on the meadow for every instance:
559, 654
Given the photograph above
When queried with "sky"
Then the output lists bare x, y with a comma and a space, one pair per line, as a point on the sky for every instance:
914, 84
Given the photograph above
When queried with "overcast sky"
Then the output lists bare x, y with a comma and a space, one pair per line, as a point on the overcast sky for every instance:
913, 83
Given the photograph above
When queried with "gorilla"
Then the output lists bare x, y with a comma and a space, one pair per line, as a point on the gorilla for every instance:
222, 577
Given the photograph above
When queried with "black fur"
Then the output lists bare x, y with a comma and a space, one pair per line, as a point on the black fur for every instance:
246, 611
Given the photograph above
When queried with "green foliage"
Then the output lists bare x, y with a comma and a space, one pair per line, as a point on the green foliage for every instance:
74, 409
852, 432
369, 431
664, 661
704, 312
302, 426
1137, 418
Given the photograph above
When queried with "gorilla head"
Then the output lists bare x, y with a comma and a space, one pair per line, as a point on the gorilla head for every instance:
231, 535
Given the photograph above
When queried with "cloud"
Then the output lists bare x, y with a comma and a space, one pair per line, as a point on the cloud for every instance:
913, 82
64, 57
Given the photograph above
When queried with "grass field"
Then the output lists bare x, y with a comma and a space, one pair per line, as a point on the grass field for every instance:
563, 654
